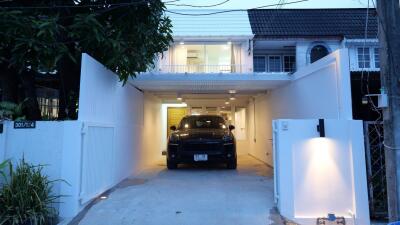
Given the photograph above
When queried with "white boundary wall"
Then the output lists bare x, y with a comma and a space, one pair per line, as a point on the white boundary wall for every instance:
320, 90
315, 176
99, 150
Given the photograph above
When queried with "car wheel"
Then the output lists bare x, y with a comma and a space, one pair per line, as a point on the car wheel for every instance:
232, 165
171, 165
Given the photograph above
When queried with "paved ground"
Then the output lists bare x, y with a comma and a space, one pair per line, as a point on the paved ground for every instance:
192, 195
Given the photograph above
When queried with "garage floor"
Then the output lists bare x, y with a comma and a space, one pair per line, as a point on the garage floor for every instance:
190, 195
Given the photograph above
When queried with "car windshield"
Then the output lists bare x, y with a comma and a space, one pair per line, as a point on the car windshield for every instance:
199, 122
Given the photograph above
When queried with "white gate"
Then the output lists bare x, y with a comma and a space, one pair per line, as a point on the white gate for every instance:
97, 165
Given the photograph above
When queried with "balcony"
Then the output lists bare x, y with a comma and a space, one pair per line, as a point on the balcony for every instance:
206, 58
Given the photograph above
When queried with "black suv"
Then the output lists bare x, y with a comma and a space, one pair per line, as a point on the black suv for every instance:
204, 138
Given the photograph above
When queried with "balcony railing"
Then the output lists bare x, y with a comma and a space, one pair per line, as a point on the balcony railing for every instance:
201, 68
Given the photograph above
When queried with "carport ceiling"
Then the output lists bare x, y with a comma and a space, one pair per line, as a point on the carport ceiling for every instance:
209, 99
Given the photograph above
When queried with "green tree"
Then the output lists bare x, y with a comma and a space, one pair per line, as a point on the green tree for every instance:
49, 36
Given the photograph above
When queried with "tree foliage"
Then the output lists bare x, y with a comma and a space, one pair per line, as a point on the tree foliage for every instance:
49, 37
123, 35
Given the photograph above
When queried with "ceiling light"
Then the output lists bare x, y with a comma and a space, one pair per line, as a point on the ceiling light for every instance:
179, 97
103, 197
232, 91
232, 98
181, 43
227, 103
229, 42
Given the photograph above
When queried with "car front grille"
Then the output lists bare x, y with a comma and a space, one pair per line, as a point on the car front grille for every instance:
203, 147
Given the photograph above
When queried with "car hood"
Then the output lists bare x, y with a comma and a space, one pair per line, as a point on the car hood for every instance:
201, 133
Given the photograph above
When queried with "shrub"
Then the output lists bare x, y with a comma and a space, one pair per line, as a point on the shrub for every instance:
26, 197
11, 111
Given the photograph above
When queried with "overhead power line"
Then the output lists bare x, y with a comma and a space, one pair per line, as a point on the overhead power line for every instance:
234, 10
199, 6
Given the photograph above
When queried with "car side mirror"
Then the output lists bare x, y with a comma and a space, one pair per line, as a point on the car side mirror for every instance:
231, 127
173, 128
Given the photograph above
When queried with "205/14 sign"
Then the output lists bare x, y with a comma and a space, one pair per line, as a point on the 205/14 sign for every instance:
24, 124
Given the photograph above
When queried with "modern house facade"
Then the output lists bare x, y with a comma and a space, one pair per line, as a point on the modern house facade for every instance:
265, 71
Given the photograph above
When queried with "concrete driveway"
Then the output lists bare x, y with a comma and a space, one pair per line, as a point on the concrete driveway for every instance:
191, 195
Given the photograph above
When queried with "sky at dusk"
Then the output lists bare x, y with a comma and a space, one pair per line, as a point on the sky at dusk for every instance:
246, 4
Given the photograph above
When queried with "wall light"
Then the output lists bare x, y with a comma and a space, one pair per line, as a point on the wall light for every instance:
321, 127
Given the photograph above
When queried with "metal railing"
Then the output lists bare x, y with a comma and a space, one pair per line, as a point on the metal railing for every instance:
200, 68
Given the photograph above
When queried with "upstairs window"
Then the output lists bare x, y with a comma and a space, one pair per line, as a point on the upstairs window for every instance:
259, 64
376, 58
289, 63
274, 64
364, 58
318, 52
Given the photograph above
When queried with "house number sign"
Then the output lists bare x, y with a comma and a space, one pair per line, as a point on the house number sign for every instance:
24, 124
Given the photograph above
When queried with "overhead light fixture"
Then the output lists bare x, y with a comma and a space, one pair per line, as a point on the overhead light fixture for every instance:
232, 91
181, 42
232, 98
179, 97
321, 127
227, 103
229, 42
103, 197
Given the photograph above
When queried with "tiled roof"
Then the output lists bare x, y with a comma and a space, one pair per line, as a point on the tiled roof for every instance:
348, 23
225, 24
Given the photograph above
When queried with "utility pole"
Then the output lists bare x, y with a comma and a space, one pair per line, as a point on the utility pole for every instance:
389, 39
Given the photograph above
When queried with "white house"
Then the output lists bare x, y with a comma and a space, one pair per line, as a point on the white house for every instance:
289, 66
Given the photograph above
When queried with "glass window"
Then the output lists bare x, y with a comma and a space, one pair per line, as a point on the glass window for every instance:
202, 58
202, 122
364, 59
318, 52
289, 63
376, 57
274, 64
259, 64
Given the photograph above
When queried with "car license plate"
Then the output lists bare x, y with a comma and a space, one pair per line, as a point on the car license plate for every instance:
200, 157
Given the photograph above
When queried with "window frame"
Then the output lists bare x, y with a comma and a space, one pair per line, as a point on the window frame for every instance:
283, 63
376, 57
265, 63
363, 62
280, 60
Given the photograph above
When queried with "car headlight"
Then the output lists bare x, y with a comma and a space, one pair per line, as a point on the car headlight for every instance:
227, 138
